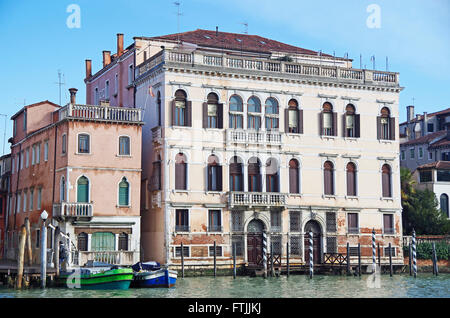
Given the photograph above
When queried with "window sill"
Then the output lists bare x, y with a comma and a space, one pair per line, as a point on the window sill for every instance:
329, 196
386, 141
295, 195
354, 139
180, 191
387, 199
214, 192
328, 137
294, 134
123, 206
388, 234
348, 197
83, 153
354, 234
124, 156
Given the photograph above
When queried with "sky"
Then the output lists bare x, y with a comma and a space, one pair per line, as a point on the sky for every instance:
36, 39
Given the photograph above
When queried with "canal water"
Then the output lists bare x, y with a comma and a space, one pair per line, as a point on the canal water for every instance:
295, 286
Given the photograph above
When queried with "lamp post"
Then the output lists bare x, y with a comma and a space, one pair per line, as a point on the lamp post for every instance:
44, 216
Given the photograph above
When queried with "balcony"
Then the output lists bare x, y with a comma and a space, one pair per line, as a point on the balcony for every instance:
264, 199
73, 210
327, 70
266, 138
110, 257
100, 113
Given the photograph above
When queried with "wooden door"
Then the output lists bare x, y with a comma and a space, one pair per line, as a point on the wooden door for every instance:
314, 227
254, 249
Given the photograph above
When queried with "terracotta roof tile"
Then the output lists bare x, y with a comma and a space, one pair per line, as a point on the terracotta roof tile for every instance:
425, 139
235, 41
436, 165
441, 112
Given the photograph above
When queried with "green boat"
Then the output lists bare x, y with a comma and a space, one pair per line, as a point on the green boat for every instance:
97, 277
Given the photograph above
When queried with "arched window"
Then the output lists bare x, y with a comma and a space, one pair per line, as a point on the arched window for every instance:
351, 179
236, 175
386, 181
328, 121
124, 192
83, 143
62, 189
444, 204
212, 112
328, 176
181, 109
351, 122
385, 125
83, 190
123, 242
254, 175
294, 186
254, 109
180, 172
236, 112
272, 113
124, 146
272, 183
82, 240
214, 174
293, 118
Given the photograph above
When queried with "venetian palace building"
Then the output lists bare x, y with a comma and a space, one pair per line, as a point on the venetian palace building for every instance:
245, 135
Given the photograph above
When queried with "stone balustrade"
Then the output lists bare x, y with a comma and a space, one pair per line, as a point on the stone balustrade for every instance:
76, 210
241, 136
266, 199
102, 113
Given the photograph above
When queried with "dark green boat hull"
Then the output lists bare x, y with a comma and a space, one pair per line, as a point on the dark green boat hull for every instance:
110, 279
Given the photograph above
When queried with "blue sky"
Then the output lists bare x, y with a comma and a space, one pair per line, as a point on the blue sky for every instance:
414, 34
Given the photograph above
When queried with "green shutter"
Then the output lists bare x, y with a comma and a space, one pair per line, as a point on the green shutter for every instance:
123, 192
83, 190
103, 241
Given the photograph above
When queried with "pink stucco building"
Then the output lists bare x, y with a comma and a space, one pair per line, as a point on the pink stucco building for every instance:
82, 164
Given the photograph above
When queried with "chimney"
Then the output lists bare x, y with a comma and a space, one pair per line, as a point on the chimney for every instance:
425, 124
106, 58
88, 68
409, 113
119, 44
217, 31
73, 95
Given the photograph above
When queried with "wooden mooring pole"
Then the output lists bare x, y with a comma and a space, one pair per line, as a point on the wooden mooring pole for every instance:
272, 273
410, 260
435, 264
28, 242
265, 254
215, 263
234, 260
287, 259
21, 256
359, 259
390, 260
348, 258
311, 255
379, 257
56, 248
414, 253
182, 261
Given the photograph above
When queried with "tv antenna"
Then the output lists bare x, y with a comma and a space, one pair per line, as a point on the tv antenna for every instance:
372, 58
245, 24
60, 83
179, 14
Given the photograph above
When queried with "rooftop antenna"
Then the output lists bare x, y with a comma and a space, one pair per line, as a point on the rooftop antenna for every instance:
245, 27
387, 64
4, 133
60, 83
372, 58
320, 56
179, 14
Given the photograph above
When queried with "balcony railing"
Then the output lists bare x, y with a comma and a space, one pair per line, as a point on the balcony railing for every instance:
77, 210
102, 113
110, 257
326, 70
256, 199
254, 137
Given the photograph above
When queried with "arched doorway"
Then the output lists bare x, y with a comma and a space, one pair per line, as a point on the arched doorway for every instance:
313, 226
255, 231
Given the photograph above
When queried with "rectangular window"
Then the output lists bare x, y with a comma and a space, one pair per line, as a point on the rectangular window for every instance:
237, 242
331, 222
38, 153
27, 157
180, 113
445, 156
294, 221
22, 157
430, 128
426, 175
185, 251
386, 251
275, 221
430, 155
212, 116
443, 175
25, 194
295, 245
254, 122
218, 251
39, 198
214, 221
182, 220
353, 226
236, 121
130, 74
46, 151
116, 84
38, 238
293, 121
107, 90
275, 244
83, 143
388, 224
31, 199
331, 244
327, 124
237, 221
420, 152
12, 165
19, 197
64, 144
124, 146
402, 155
412, 153
25, 120
33, 155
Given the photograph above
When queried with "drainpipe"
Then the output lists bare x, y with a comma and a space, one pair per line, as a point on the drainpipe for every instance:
17, 187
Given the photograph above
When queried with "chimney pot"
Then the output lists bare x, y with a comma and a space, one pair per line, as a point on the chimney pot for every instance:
106, 58
119, 44
217, 31
409, 113
73, 95
88, 68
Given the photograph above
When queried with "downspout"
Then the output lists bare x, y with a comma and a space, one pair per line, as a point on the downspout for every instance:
17, 186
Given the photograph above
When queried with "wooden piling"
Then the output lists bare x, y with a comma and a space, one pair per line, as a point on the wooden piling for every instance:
234, 260
379, 257
287, 259
359, 259
390, 259
435, 265
215, 262
272, 273
21, 256
28, 242
56, 248
410, 260
182, 261
348, 258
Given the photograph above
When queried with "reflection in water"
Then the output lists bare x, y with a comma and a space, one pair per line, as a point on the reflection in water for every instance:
296, 286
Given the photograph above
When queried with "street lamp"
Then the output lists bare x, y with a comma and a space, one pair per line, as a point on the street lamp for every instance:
44, 216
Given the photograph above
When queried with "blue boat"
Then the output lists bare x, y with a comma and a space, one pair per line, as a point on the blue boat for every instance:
150, 274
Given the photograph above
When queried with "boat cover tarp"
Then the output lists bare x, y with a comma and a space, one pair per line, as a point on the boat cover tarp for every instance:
146, 266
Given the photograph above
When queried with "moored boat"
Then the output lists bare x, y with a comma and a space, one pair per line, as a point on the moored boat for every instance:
150, 274
97, 276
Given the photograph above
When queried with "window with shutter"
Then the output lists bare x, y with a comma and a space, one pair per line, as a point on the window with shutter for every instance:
386, 181
388, 224
351, 179
272, 184
182, 220
124, 192
180, 172
350, 121
328, 120
254, 175
180, 111
103, 241
236, 175
353, 225
214, 174
82, 190
328, 178
294, 176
